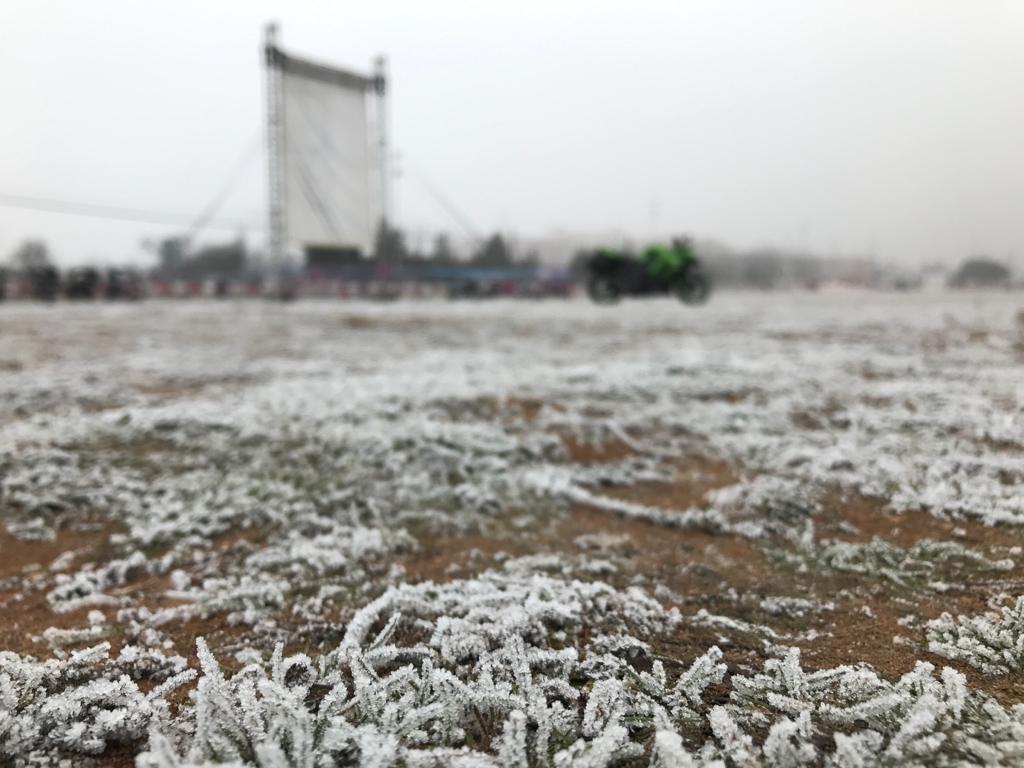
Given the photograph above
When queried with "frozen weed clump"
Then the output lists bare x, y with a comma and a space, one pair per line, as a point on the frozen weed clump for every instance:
86, 587
501, 670
378, 702
777, 605
921, 719
451, 673
768, 503
562, 484
902, 566
432, 674
992, 642
82, 704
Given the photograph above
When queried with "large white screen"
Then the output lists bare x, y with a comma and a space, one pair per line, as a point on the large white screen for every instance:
327, 165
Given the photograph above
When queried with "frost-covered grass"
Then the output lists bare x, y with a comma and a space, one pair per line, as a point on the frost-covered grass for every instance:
256, 474
925, 560
992, 642
496, 672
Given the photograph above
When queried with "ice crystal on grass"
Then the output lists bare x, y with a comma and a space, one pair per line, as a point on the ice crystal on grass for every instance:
96, 630
779, 605
992, 642
733, 744
683, 700
86, 586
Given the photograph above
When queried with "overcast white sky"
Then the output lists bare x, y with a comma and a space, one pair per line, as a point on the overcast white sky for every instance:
892, 126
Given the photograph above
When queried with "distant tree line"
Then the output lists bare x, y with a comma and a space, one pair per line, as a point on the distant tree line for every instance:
773, 268
980, 272
222, 260
494, 251
176, 261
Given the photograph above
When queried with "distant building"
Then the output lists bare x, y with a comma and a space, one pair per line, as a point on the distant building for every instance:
329, 258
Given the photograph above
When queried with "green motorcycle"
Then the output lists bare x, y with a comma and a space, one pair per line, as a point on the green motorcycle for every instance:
659, 270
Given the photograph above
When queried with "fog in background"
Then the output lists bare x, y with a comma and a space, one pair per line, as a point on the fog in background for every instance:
884, 128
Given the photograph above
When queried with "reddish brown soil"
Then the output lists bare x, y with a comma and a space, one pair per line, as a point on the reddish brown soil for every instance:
31, 615
359, 322
120, 756
581, 452
18, 557
442, 558
700, 569
173, 389
872, 520
856, 637
695, 477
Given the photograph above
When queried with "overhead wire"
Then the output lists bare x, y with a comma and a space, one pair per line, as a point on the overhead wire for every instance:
251, 151
103, 211
457, 215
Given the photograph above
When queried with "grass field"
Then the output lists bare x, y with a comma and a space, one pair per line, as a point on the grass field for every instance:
781, 529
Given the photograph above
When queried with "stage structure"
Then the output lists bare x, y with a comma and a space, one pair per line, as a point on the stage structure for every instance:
328, 155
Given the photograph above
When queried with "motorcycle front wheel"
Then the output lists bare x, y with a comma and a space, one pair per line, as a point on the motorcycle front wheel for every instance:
693, 287
602, 289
